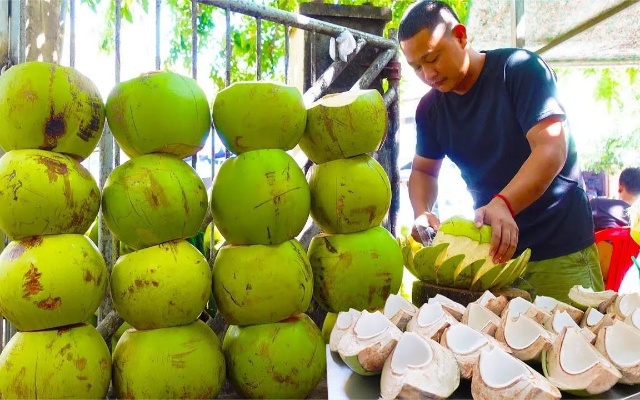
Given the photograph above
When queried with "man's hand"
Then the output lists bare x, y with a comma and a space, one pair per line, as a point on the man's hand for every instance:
505, 230
425, 219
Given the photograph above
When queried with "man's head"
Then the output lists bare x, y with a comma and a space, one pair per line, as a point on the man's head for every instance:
629, 184
435, 44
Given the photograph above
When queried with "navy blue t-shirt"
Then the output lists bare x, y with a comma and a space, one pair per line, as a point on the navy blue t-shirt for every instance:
484, 133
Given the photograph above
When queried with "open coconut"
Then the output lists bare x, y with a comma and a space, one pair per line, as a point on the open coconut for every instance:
634, 318
525, 337
493, 303
619, 344
551, 305
584, 298
466, 344
430, 321
623, 305
595, 320
562, 319
399, 310
367, 344
455, 309
498, 375
481, 319
419, 368
574, 365
519, 306
344, 322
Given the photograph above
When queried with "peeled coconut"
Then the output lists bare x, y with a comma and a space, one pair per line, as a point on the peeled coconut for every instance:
623, 305
344, 322
260, 197
634, 318
495, 304
50, 107
51, 281
161, 286
45, 193
480, 318
519, 306
281, 360
159, 112
595, 320
526, 338
64, 363
619, 344
259, 115
153, 199
419, 368
583, 298
498, 375
349, 195
574, 365
430, 321
551, 305
355, 270
452, 307
261, 284
183, 362
562, 320
399, 310
344, 125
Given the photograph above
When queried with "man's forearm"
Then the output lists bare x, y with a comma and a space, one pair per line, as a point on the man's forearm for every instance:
423, 191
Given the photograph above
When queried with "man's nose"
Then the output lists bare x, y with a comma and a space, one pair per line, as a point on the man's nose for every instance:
429, 74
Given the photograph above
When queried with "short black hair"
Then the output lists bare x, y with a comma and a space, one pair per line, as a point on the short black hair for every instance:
630, 179
424, 14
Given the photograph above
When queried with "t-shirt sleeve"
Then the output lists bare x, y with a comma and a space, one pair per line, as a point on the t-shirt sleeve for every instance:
532, 87
426, 138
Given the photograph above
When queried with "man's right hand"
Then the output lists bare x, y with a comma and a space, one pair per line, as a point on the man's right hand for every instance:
426, 219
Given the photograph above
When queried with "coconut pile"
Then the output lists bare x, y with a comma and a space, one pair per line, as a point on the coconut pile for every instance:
583, 348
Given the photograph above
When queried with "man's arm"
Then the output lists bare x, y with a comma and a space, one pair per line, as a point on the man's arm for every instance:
423, 187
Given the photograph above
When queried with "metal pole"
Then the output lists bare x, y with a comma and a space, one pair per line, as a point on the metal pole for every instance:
158, 15
258, 49
374, 70
72, 33
194, 56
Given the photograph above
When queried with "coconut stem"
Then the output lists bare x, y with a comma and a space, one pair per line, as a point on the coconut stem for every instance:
109, 325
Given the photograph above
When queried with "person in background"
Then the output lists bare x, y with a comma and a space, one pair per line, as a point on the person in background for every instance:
496, 114
611, 213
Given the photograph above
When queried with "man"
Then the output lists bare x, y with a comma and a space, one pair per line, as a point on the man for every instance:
611, 213
496, 114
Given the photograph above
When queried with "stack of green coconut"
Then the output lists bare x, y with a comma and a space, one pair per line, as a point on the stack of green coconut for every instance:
356, 262
152, 203
52, 277
262, 279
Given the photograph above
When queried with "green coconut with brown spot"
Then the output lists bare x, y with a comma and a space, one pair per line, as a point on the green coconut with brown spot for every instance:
182, 362
259, 284
282, 360
161, 286
50, 107
159, 112
51, 281
255, 115
343, 125
355, 270
260, 197
153, 199
349, 195
64, 363
45, 193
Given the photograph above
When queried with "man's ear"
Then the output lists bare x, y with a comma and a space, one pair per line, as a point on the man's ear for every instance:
460, 34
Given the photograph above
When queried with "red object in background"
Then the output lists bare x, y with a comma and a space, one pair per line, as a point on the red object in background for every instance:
624, 247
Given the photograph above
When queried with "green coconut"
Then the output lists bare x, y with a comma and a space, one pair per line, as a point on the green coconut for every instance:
159, 112
153, 199
344, 125
283, 360
259, 115
161, 286
260, 197
349, 195
183, 362
51, 281
260, 284
50, 107
327, 325
355, 270
66, 363
44, 193
218, 240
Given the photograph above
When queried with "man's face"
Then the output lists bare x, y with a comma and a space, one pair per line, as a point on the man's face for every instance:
439, 57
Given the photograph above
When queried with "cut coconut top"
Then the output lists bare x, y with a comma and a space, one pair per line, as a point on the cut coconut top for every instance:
628, 303
462, 339
593, 316
520, 332
347, 318
338, 99
486, 296
587, 297
430, 313
396, 303
546, 303
372, 324
438, 298
518, 306
562, 319
577, 355
410, 350
500, 369
621, 343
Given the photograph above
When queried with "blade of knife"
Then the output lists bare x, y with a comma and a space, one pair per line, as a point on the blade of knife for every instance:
426, 233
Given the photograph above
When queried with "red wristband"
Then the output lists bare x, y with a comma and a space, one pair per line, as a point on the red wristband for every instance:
506, 201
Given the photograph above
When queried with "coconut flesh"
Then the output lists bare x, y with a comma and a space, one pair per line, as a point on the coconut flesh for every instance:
624, 305
480, 319
493, 303
618, 343
454, 308
576, 366
551, 305
367, 344
562, 319
525, 337
634, 318
419, 368
399, 310
594, 320
430, 321
344, 321
519, 306
498, 375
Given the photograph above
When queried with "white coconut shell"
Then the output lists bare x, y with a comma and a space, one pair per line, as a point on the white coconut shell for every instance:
551, 305
452, 307
594, 320
519, 305
624, 305
498, 375
344, 321
481, 319
493, 303
562, 319
634, 318
430, 321
419, 368
619, 344
525, 337
399, 310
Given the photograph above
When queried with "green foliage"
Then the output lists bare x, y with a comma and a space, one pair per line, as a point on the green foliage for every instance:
613, 152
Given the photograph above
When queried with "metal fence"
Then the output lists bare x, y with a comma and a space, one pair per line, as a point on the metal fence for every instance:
109, 153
